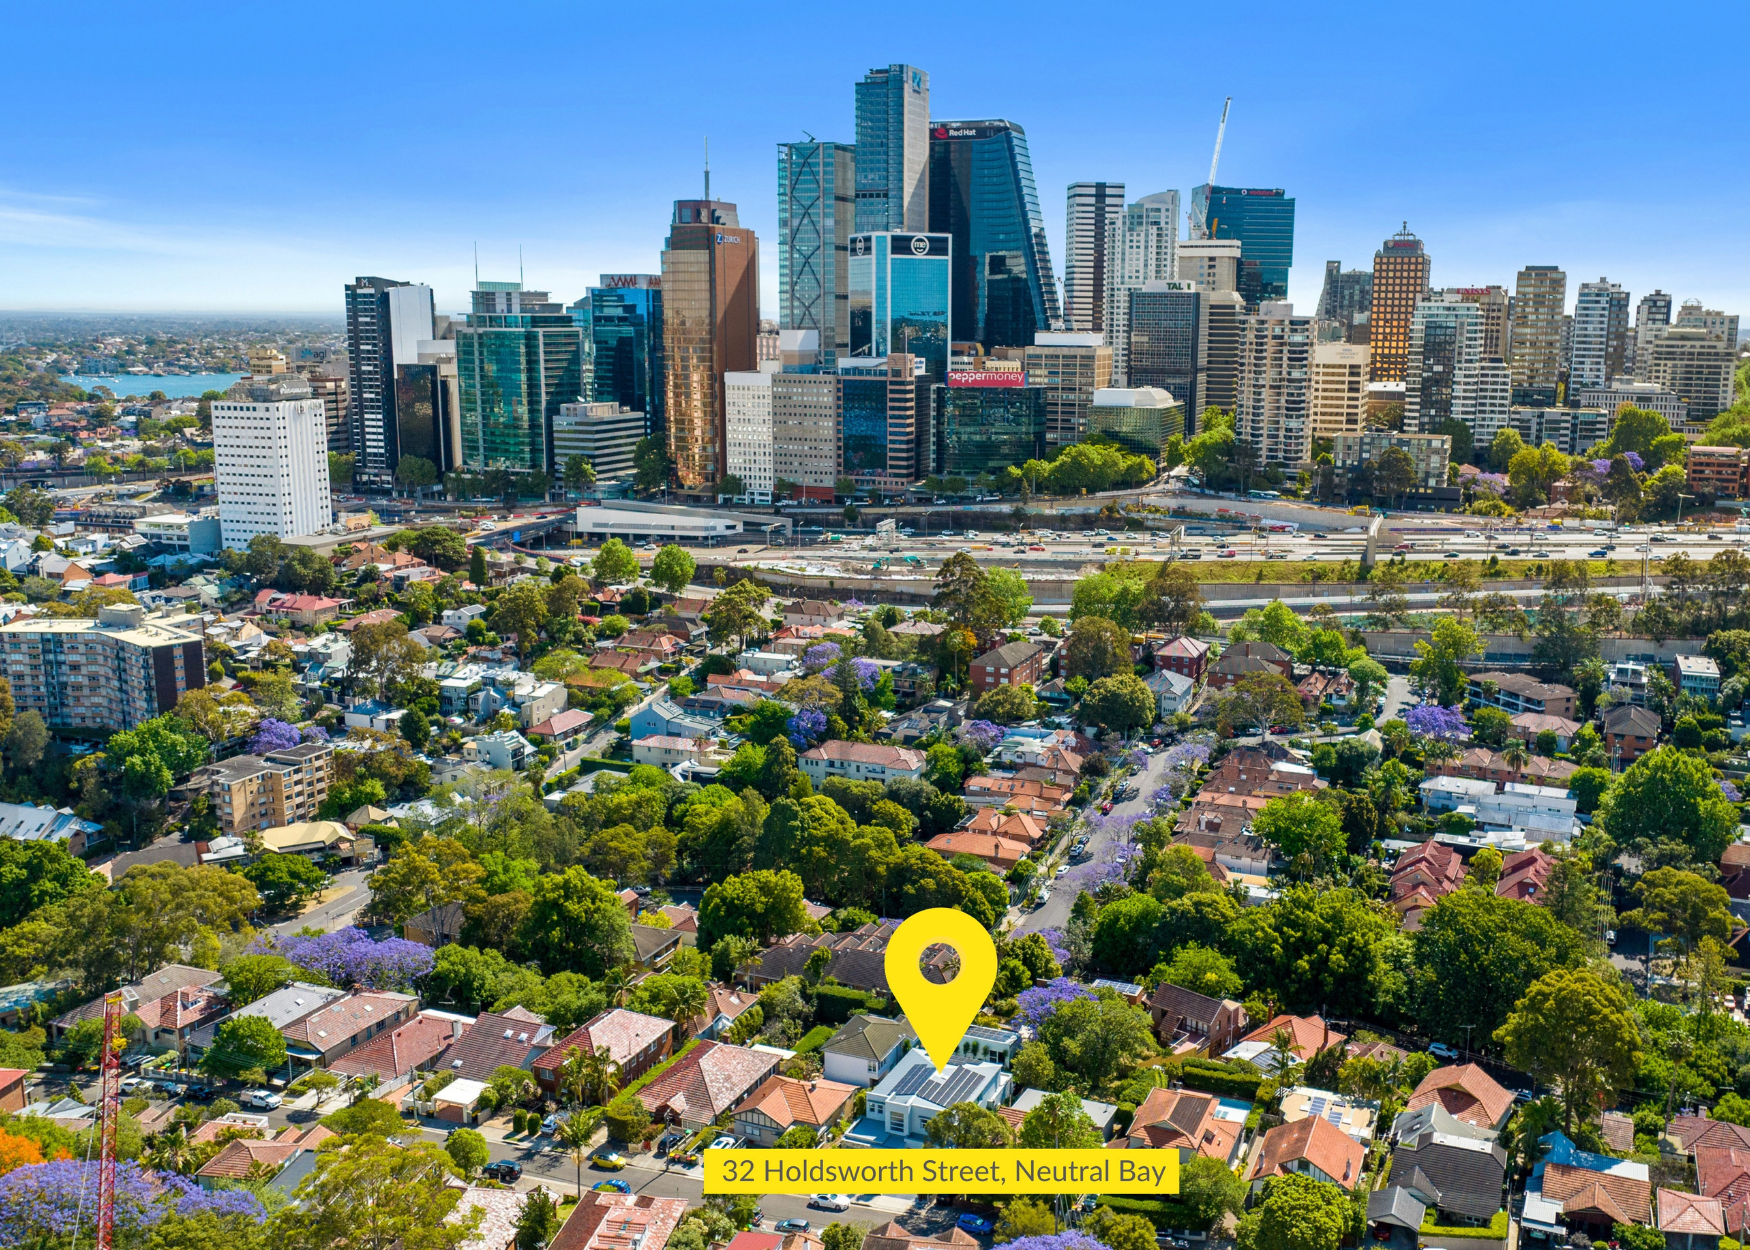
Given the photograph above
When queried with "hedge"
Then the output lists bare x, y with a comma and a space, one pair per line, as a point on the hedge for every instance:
660, 1068
815, 1038
834, 1004
1161, 1212
1222, 1081
1494, 1230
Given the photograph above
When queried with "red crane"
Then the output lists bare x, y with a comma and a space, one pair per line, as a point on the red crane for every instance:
109, 1107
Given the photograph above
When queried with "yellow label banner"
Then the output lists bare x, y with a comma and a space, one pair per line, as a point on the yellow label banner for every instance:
941, 1171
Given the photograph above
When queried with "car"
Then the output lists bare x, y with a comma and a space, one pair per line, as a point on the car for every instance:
741, 551
1061, 869
977, 1225
1276, 555
550, 1124
1044, 897
509, 1171
1440, 1050
1191, 555
1452, 555
1610, 937
790, 1226
1599, 554
1663, 538
611, 1187
201, 1093
1540, 555
130, 1083
1106, 808
608, 1160
1227, 554
829, 1202
170, 1088
263, 1098
725, 1142
1512, 551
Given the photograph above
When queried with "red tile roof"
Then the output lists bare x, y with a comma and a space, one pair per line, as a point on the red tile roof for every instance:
1627, 1199
1690, 1213
1316, 1141
788, 1101
516, 1039
603, 1221
625, 1033
1311, 1034
1465, 1091
399, 1051
708, 1080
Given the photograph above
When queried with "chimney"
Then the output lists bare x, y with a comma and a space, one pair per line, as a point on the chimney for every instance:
455, 1028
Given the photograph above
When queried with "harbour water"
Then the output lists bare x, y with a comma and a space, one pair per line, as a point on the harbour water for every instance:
142, 385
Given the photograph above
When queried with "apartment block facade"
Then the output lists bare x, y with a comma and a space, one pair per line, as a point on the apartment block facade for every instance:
251, 792
111, 673
1272, 409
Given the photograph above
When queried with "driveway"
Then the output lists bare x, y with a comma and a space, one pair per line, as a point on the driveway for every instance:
1397, 699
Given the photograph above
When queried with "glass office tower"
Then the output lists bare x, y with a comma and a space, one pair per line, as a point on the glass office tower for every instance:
1263, 221
1169, 344
519, 358
899, 297
893, 150
623, 320
982, 194
816, 211
987, 421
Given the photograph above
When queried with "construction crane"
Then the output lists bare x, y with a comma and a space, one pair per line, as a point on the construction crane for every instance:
109, 1111
1220, 133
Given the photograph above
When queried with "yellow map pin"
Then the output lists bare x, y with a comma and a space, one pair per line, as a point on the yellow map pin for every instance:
939, 1014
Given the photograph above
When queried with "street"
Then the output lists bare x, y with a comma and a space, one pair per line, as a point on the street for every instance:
1397, 699
338, 912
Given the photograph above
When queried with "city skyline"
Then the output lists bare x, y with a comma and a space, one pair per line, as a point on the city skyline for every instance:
173, 220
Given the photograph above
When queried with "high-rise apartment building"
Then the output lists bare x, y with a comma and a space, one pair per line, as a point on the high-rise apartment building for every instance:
1141, 247
1338, 398
266, 360
1694, 317
1697, 366
386, 320
1169, 343
710, 327
982, 194
267, 791
1273, 406
1600, 334
1213, 264
1490, 400
1347, 294
878, 421
520, 356
1638, 395
1535, 342
111, 673
893, 151
747, 423
1262, 219
1069, 367
604, 434
1400, 279
1224, 313
623, 321
805, 434
1446, 345
1093, 207
1493, 301
899, 298
270, 460
1652, 318
817, 210
336, 398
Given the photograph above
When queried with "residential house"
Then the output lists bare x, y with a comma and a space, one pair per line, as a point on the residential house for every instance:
897, 1110
246, 1159
435, 635
724, 1005
1689, 1221
1185, 1120
169, 1020
1242, 854
1010, 826
26, 822
1221, 813
859, 761
377, 617
1723, 1173
375, 714
319, 1038
1528, 726
1320, 687
436, 926
396, 1054
782, 1103
12, 1089
1460, 1177
608, 1221
303, 610
147, 990
999, 853
1242, 659
859, 958
1424, 876
1313, 1147
1431, 1117
1173, 691
1356, 1119
1442, 794
892, 1236
1515, 692
1467, 1092
505, 749
1012, 664
1247, 770
1629, 733
500, 1210
1590, 1200
1307, 1036
634, 1041
627, 663
661, 717
1102, 1114
1189, 1023
706, 1082
1487, 765
1523, 876
316, 839
514, 1038
999, 1046
562, 728
1186, 656
816, 612
1696, 675
1035, 798
665, 751
281, 1008
1696, 1132
865, 1049
655, 948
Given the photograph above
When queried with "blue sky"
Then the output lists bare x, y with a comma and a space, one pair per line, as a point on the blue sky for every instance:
207, 157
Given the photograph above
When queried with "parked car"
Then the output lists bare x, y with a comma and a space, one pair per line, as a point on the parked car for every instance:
977, 1225
506, 1170
790, 1226
1106, 808
611, 1187
1440, 1050
201, 1093
1610, 937
608, 1160
262, 1098
725, 1142
829, 1202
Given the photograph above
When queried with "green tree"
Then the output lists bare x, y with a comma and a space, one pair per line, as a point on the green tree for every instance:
1097, 648
538, 1222
466, 1147
614, 564
522, 610
1120, 1232
672, 569
39, 874
1669, 796
627, 1119
1207, 972
576, 923
1394, 473
650, 465
375, 1196
1024, 1217
1059, 1122
579, 473
1006, 705
1438, 667
1318, 949
1122, 703
252, 977
1682, 906
1173, 600
1297, 1213
761, 905
415, 729
968, 1126
244, 1042
367, 1116
1576, 1030
1092, 1038
477, 567
1010, 590
284, 880
1369, 676
1303, 827
1209, 1188
1477, 954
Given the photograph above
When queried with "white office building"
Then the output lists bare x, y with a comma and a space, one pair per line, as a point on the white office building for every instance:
1668, 404
747, 419
1339, 389
1600, 338
270, 460
1141, 247
604, 434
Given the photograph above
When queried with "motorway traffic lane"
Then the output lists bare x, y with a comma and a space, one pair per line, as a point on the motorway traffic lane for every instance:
1055, 913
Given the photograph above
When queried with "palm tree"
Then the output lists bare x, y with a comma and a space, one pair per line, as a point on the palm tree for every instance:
171, 1150
1281, 1048
682, 999
1514, 755
575, 1134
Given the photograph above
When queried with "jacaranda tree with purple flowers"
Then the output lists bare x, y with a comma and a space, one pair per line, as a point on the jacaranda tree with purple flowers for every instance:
1040, 1003
805, 728
42, 1204
868, 673
821, 656
982, 734
349, 957
315, 733
1430, 720
1073, 1240
274, 735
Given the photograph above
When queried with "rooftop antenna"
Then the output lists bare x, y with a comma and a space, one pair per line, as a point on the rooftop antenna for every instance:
707, 170
1220, 133
476, 264
519, 264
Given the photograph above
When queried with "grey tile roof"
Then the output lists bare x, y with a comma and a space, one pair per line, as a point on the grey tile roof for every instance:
1465, 1173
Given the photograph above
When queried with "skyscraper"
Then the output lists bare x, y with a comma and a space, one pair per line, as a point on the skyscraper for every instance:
893, 125
1493, 302
1213, 264
428, 419
1697, 366
1400, 278
1446, 343
270, 460
1092, 208
817, 208
1535, 340
1141, 247
1347, 294
623, 320
1263, 221
1600, 335
1169, 343
899, 298
878, 421
1273, 408
385, 322
710, 326
747, 407
1338, 399
1070, 367
1225, 315
982, 194
519, 358
988, 421
1652, 318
